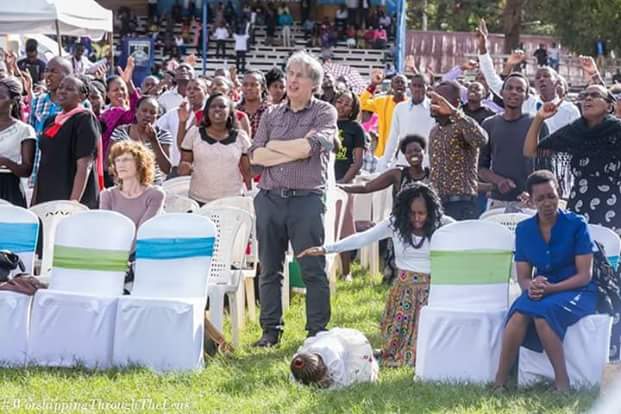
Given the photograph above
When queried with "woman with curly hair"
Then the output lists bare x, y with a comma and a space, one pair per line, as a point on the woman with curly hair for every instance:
416, 215
133, 167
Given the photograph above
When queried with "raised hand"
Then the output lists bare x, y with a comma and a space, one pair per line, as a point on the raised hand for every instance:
101, 71
470, 65
481, 35
377, 76
548, 109
313, 251
440, 106
588, 65
127, 73
184, 111
516, 57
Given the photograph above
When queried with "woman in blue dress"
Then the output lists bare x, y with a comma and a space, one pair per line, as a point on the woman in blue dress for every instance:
557, 246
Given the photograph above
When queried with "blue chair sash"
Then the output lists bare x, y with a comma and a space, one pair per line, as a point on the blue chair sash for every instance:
176, 248
19, 237
614, 261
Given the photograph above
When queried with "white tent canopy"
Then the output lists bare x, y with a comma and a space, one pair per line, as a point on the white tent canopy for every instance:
74, 17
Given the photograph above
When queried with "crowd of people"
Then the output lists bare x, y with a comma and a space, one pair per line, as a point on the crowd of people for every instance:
449, 150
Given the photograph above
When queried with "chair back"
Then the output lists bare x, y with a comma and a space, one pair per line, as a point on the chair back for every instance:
470, 265
528, 211
233, 227
177, 186
50, 214
336, 202
4, 202
19, 230
91, 250
508, 220
610, 240
180, 204
173, 256
243, 203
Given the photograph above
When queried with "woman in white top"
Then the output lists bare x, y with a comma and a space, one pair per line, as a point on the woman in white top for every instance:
215, 153
17, 143
416, 214
334, 359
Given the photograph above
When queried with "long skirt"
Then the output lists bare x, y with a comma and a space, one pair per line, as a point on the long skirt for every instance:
11, 189
399, 326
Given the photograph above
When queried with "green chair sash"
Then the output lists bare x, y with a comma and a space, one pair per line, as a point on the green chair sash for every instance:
90, 259
470, 267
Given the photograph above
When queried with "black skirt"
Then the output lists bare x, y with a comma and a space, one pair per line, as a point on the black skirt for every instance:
10, 190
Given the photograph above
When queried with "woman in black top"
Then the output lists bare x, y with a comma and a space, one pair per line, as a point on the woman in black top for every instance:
351, 135
68, 148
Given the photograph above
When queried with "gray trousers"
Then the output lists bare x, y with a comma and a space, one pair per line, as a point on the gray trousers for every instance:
299, 220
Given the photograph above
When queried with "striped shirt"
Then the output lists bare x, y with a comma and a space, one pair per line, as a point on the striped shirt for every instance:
164, 137
279, 122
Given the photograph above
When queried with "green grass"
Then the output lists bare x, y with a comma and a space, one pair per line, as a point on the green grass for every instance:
257, 381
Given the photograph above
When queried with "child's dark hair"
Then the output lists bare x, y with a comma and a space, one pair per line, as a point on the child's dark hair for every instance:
400, 217
355, 103
309, 369
274, 75
412, 138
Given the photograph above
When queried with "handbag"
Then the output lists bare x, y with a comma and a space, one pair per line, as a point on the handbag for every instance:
607, 282
9, 261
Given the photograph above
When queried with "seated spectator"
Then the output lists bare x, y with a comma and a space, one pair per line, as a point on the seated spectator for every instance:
381, 37
276, 85
144, 130
335, 359
215, 152
558, 246
17, 143
133, 167
369, 36
68, 148
350, 35
340, 20
360, 36
384, 20
309, 29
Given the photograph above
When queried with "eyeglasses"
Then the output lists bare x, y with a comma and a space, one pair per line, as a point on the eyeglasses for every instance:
593, 95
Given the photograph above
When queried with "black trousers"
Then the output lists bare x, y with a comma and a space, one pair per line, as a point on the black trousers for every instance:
298, 220
461, 210
240, 61
220, 46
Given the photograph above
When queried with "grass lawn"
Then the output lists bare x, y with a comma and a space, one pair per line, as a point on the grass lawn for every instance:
257, 381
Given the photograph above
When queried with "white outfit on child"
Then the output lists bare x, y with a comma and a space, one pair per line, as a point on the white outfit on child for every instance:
346, 353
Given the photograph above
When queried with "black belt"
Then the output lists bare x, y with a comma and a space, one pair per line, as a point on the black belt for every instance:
287, 192
455, 198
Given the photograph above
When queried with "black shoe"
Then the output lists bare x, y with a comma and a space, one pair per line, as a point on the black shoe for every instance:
313, 333
267, 340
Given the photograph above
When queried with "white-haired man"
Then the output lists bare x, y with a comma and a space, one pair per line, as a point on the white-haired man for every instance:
292, 146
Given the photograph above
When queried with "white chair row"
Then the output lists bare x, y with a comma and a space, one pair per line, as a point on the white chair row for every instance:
82, 318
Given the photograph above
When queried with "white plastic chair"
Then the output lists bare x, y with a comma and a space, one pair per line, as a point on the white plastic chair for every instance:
19, 229
50, 214
72, 322
586, 343
382, 207
363, 211
179, 204
459, 331
249, 271
233, 231
177, 186
4, 202
161, 324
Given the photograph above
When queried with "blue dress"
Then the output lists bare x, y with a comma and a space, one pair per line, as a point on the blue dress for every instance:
555, 260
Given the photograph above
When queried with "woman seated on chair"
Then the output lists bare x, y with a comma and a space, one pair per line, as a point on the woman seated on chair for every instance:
417, 213
133, 168
215, 152
413, 148
557, 245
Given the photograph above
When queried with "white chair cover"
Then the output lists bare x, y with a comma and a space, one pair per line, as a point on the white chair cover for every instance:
233, 231
586, 346
161, 324
459, 332
177, 186
19, 229
50, 214
73, 321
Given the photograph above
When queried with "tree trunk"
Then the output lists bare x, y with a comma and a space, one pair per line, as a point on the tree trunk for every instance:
512, 18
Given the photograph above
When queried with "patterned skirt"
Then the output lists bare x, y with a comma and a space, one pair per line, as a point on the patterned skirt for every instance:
409, 292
